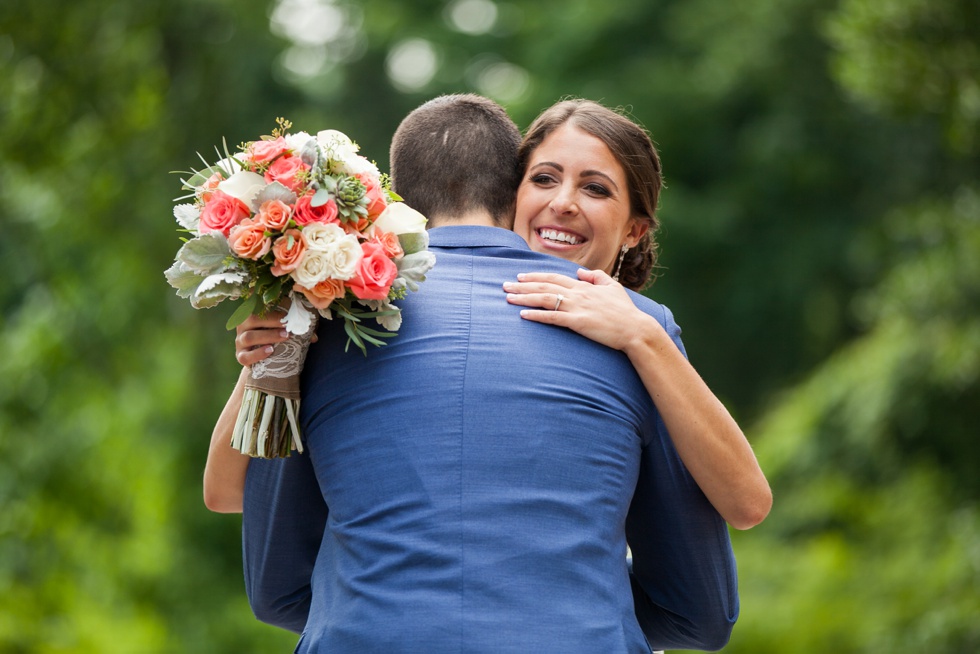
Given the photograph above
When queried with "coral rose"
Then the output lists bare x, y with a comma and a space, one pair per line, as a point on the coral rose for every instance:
261, 152
376, 202
275, 215
287, 170
288, 251
304, 214
247, 239
321, 295
375, 273
221, 212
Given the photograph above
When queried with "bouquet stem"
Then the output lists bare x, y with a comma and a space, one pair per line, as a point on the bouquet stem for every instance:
267, 425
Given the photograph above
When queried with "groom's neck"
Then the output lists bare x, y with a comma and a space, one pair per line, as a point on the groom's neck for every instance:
480, 217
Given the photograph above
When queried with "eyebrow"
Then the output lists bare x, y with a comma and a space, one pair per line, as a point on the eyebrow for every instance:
584, 173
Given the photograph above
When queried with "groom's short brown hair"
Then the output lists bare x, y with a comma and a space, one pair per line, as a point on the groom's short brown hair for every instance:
457, 153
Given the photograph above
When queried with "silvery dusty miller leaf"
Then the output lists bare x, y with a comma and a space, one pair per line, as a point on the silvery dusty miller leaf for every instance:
205, 254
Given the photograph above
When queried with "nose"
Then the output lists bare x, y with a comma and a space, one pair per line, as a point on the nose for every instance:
563, 203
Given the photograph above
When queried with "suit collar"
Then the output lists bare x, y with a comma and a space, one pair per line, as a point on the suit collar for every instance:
473, 236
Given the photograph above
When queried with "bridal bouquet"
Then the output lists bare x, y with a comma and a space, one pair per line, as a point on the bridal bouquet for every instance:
305, 224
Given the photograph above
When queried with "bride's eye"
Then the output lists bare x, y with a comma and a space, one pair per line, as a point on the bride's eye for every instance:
542, 179
597, 189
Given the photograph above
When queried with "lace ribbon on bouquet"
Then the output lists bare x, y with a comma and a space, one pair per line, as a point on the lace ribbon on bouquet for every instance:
267, 424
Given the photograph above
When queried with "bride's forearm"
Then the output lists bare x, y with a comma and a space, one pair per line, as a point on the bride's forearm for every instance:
706, 437
224, 472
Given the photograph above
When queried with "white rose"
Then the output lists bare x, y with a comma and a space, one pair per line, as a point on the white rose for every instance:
320, 236
313, 268
243, 185
295, 142
342, 257
336, 145
357, 165
399, 218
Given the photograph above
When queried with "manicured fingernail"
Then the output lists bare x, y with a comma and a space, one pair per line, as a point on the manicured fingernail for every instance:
269, 349
508, 286
521, 276
523, 312
284, 334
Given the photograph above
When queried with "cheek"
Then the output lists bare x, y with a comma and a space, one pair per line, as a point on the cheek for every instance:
522, 215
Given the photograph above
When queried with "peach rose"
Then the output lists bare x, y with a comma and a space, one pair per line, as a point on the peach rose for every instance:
375, 273
275, 215
376, 202
288, 251
393, 248
304, 214
207, 188
323, 293
265, 151
222, 212
286, 170
247, 239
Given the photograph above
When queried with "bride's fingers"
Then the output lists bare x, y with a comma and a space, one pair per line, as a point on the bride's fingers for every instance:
544, 301
547, 278
252, 338
250, 357
597, 277
536, 288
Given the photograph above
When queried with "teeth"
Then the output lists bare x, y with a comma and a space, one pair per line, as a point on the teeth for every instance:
561, 237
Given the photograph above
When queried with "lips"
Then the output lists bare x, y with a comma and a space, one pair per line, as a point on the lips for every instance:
558, 237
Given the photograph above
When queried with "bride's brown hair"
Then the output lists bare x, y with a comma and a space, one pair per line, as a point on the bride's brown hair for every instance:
635, 152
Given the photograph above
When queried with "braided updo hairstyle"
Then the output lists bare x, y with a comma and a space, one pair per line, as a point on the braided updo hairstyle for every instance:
631, 146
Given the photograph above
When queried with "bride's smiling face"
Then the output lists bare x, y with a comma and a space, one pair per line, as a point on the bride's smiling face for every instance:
574, 202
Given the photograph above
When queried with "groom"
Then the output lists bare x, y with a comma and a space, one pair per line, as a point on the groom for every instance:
470, 486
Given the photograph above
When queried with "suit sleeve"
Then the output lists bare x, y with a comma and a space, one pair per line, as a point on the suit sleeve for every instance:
683, 576
282, 527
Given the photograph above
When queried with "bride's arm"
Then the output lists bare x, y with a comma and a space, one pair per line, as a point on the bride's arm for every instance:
707, 438
224, 472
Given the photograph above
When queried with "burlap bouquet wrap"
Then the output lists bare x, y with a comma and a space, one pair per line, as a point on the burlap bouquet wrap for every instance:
267, 426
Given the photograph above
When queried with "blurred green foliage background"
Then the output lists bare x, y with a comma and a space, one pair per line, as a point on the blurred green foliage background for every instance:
821, 249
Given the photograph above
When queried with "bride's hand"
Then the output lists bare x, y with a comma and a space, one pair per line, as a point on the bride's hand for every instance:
594, 305
257, 337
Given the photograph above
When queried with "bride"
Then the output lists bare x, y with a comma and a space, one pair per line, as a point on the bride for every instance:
589, 190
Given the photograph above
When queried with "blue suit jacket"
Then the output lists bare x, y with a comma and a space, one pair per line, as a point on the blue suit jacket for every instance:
483, 475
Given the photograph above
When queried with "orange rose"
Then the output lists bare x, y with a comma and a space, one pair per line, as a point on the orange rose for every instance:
393, 248
275, 215
286, 170
207, 188
358, 228
324, 292
288, 250
248, 240
221, 213
375, 273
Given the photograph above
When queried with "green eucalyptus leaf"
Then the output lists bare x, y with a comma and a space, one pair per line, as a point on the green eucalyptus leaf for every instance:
244, 310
